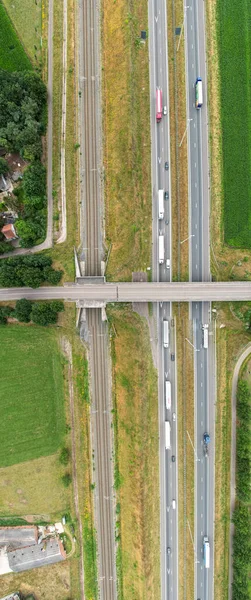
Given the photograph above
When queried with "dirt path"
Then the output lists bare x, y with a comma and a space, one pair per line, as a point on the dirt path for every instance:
238, 365
68, 352
63, 226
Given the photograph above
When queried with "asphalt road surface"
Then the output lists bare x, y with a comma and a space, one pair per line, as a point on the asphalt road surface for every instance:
204, 362
160, 147
94, 330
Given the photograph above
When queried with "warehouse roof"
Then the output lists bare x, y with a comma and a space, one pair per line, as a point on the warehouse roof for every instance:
18, 537
46, 553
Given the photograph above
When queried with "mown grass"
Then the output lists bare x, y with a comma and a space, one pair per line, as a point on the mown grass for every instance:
27, 20
32, 394
234, 44
136, 447
12, 54
63, 253
126, 124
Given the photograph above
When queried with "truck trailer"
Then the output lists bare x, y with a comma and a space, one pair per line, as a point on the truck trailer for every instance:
167, 435
168, 395
161, 204
158, 105
205, 335
161, 249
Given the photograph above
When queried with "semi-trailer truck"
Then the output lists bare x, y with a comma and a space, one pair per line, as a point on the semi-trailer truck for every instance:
167, 435
206, 552
198, 93
161, 204
158, 104
161, 249
165, 334
168, 395
205, 335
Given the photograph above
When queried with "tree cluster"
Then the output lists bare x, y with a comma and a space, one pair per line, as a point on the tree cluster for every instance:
31, 225
30, 271
41, 313
243, 442
22, 123
241, 553
22, 113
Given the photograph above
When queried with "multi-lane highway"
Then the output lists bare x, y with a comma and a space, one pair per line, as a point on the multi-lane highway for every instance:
160, 159
94, 331
198, 169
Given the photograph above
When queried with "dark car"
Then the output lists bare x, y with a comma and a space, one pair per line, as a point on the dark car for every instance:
166, 195
172, 356
173, 458
166, 166
168, 550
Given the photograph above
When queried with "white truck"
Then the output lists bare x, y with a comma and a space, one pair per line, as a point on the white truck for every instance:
205, 335
161, 204
165, 334
206, 552
168, 395
167, 435
161, 249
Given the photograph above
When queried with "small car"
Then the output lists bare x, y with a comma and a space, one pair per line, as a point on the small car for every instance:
166, 195
174, 504
168, 550
173, 458
167, 222
164, 110
172, 356
166, 166
168, 263
174, 416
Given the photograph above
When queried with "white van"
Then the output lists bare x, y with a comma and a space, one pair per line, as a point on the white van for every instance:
168, 263
174, 504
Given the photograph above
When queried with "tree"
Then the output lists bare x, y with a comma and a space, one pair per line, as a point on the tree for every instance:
26, 231
24, 270
52, 276
44, 313
4, 167
5, 247
30, 276
23, 310
64, 456
66, 479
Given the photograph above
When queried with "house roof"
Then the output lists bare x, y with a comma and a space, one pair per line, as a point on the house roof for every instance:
18, 537
48, 552
9, 231
14, 596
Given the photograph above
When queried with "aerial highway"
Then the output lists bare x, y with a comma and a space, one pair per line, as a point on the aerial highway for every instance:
161, 232
204, 357
101, 293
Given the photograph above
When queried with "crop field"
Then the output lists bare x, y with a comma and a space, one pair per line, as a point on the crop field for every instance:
31, 394
234, 41
27, 19
12, 54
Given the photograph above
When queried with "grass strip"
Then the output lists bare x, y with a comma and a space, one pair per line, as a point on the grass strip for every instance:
126, 123
27, 19
136, 456
12, 54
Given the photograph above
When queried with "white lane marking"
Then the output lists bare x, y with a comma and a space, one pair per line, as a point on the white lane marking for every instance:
201, 403
196, 266
201, 364
201, 384
196, 225
191, 27
201, 479
201, 497
201, 516
194, 124
159, 159
156, 18
192, 46
195, 165
195, 185
194, 144
196, 246
201, 423
159, 31
160, 51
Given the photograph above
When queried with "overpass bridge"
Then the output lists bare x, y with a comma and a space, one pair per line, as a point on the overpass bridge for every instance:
99, 293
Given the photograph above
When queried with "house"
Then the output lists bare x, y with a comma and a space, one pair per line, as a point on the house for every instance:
9, 232
14, 596
24, 548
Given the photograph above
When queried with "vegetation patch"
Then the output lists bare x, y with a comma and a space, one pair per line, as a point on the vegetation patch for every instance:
126, 119
234, 44
32, 394
30, 271
12, 54
27, 19
137, 449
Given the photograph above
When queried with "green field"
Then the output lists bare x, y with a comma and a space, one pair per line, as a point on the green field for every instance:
12, 54
27, 19
234, 42
31, 394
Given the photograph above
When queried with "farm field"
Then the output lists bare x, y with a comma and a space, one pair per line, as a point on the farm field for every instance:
234, 44
52, 582
27, 20
136, 457
31, 394
12, 54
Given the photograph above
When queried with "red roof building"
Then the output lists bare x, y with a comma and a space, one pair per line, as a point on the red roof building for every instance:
9, 232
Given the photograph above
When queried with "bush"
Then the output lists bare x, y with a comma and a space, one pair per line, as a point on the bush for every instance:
64, 456
46, 313
243, 444
66, 480
25, 271
23, 310
4, 168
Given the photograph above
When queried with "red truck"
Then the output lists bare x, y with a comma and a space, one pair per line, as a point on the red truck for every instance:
158, 104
